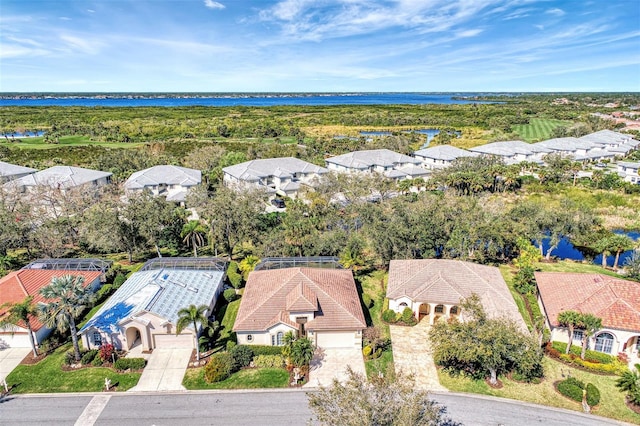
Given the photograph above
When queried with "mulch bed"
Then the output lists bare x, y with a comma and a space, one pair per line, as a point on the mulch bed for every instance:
633, 407
498, 385
31, 360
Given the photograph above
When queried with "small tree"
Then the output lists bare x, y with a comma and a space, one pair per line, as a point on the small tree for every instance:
381, 401
589, 324
247, 265
192, 315
21, 312
302, 352
569, 319
193, 234
629, 382
67, 298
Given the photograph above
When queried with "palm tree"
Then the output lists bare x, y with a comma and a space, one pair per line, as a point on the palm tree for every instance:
569, 319
192, 315
589, 324
68, 297
21, 312
193, 233
302, 352
630, 382
620, 243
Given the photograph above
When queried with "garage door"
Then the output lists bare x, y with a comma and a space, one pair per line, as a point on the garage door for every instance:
170, 341
15, 340
336, 339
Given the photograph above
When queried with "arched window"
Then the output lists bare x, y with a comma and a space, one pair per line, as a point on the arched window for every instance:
604, 342
403, 305
280, 338
453, 310
249, 337
439, 309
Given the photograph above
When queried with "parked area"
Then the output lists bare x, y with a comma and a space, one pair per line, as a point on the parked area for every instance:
164, 370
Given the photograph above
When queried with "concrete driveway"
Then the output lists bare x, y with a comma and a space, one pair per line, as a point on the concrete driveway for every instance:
10, 358
412, 355
328, 364
164, 371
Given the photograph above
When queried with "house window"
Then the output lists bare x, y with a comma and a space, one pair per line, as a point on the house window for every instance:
97, 338
604, 343
249, 337
577, 335
403, 305
278, 339
439, 309
453, 310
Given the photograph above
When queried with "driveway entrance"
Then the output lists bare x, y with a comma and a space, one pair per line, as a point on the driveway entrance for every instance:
328, 364
9, 359
164, 371
412, 355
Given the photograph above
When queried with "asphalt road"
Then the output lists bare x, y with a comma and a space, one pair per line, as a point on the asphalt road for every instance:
249, 408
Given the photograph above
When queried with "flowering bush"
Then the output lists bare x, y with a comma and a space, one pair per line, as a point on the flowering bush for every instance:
106, 351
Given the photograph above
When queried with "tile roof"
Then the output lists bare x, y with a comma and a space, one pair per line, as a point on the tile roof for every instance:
63, 176
608, 137
629, 165
447, 281
168, 175
16, 286
410, 171
268, 293
160, 291
566, 144
8, 170
255, 170
444, 152
615, 300
374, 157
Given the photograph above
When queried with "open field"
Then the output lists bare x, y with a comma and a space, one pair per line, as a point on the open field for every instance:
538, 129
66, 141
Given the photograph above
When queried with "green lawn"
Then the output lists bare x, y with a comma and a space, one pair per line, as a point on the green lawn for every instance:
374, 285
64, 141
538, 129
379, 365
611, 404
47, 376
250, 378
228, 313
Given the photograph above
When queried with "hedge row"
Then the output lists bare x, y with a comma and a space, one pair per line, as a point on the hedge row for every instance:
268, 361
266, 350
591, 356
123, 364
572, 389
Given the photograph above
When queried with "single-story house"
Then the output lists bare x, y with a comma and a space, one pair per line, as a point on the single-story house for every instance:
282, 176
62, 178
433, 289
18, 285
144, 310
513, 152
321, 304
10, 171
440, 156
375, 160
629, 171
615, 301
171, 182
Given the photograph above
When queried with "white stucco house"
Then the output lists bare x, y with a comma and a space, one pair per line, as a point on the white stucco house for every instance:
433, 289
629, 171
440, 156
513, 152
615, 301
171, 182
283, 176
17, 286
321, 304
144, 310
61, 178
10, 171
391, 164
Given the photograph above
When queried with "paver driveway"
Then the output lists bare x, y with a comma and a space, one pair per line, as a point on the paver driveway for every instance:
9, 359
412, 355
328, 364
164, 371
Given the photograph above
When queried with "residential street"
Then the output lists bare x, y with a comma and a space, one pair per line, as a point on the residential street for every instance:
249, 408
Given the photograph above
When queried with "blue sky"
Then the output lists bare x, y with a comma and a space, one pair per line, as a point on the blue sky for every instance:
319, 45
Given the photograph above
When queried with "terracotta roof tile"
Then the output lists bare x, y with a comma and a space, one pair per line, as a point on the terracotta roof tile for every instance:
268, 293
614, 300
16, 286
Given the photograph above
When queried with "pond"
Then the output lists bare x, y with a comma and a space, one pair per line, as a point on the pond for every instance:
22, 134
566, 250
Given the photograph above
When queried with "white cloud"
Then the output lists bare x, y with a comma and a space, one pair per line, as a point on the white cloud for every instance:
468, 33
81, 44
213, 4
555, 12
91, 11
64, 18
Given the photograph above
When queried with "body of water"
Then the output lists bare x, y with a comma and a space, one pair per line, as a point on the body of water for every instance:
260, 100
566, 250
22, 134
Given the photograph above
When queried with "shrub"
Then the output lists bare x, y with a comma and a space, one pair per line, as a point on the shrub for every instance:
123, 364
408, 317
367, 301
268, 361
231, 344
593, 395
119, 280
104, 292
235, 279
389, 316
241, 356
230, 295
524, 281
106, 352
97, 362
89, 356
366, 351
69, 357
218, 368
591, 356
570, 390
266, 350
